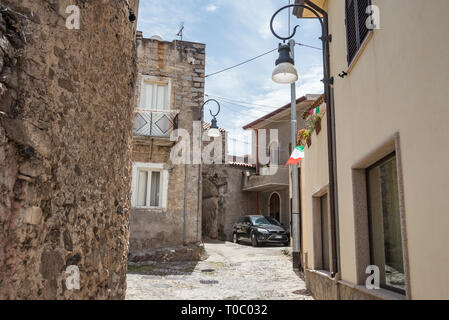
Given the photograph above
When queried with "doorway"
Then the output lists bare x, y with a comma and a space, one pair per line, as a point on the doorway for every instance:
275, 206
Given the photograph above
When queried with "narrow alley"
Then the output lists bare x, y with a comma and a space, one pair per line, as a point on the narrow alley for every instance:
231, 272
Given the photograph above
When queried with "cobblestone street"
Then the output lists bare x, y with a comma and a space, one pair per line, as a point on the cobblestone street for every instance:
230, 272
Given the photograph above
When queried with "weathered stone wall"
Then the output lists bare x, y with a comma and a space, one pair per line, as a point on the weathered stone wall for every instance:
66, 101
223, 200
183, 63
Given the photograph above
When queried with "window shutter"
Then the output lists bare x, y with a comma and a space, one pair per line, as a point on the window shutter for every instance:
148, 96
356, 30
362, 5
160, 104
351, 29
142, 188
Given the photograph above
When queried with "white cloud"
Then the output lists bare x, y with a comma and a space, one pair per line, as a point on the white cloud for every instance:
211, 8
240, 31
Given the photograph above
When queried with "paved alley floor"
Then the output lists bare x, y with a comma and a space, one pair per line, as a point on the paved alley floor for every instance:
231, 272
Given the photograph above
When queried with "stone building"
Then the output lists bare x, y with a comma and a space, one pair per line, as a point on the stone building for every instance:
224, 201
166, 197
66, 100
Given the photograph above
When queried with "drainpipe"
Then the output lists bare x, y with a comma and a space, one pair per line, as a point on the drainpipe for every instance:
185, 207
200, 181
257, 169
331, 141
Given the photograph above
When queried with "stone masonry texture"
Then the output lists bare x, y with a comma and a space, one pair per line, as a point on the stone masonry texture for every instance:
66, 106
182, 63
224, 202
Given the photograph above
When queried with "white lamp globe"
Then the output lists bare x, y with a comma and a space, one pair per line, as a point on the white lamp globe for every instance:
213, 133
285, 73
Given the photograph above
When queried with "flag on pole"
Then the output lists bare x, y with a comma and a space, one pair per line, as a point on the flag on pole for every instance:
296, 156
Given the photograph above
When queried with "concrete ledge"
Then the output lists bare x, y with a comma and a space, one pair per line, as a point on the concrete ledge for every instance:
323, 287
192, 252
380, 294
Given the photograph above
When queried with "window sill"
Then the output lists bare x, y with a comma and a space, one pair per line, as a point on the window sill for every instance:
322, 273
360, 52
382, 294
148, 209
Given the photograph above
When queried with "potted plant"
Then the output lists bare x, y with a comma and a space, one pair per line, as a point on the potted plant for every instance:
313, 122
318, 125
309, 141
303, 135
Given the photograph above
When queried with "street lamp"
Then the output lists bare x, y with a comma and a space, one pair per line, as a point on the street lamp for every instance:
214, 131
285, 73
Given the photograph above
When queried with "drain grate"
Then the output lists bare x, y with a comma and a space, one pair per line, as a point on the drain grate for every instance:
208, 270
208, 281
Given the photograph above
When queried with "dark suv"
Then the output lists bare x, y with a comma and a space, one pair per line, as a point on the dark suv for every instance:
260, 230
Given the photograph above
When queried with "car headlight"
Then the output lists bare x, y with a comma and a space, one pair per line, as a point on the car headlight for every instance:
263, 231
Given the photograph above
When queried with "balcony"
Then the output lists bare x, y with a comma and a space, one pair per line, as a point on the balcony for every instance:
266, 181
155, 124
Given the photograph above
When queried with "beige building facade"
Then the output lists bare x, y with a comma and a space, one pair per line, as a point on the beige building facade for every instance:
270, 180
391, 137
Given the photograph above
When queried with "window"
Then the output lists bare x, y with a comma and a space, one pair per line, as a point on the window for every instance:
150, 186
325, 233
148, 189
385, 224
155, 96
356, 29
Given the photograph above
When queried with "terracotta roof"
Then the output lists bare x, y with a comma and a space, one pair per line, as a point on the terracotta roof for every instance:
268, 116
206, 126
241, 164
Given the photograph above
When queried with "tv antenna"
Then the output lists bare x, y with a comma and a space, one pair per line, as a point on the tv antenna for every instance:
181, 29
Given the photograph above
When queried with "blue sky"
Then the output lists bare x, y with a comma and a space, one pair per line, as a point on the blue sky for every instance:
235, 31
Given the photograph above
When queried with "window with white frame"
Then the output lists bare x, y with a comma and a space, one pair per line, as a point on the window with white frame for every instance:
149, 186
155, 95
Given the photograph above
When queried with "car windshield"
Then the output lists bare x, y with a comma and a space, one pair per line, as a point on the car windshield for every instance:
258, 221
273, 221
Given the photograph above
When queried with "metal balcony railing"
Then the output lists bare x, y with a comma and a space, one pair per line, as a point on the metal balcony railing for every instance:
155, 123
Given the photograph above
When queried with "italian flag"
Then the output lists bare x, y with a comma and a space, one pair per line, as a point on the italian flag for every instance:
296, 156
315, 111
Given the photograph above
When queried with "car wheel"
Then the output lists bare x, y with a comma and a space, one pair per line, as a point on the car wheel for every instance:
254, 241
235, 238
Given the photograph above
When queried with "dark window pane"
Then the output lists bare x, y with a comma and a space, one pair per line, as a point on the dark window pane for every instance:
351, 29
356, 30
325, 233
385, 224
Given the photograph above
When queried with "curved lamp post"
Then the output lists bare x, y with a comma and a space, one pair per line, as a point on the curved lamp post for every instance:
214, 131
285, 73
